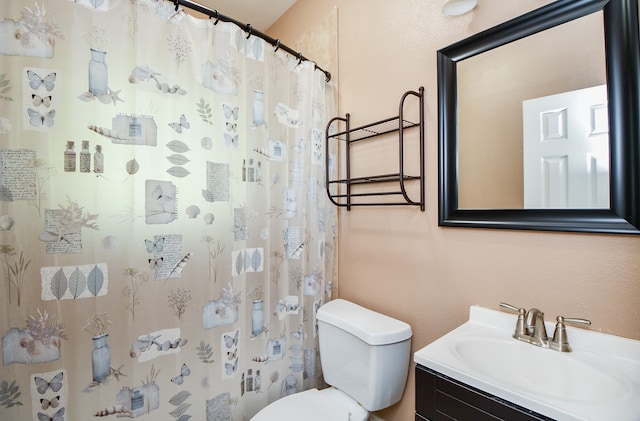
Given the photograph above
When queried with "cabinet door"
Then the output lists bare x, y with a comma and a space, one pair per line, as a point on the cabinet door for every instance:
441, 398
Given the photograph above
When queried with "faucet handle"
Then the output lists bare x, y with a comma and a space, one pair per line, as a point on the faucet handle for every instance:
573, 320
560, 341
520, 332
513, 308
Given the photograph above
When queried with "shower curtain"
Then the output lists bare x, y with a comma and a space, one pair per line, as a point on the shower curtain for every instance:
165, 237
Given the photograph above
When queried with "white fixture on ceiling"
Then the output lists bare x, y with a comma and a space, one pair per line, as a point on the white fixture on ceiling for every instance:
458, 7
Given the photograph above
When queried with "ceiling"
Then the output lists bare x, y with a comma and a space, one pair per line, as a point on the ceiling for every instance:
261, 14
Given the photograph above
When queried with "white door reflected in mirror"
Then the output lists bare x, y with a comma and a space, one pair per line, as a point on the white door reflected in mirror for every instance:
566, 150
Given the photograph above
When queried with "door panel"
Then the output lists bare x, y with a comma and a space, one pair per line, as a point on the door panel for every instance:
566, 150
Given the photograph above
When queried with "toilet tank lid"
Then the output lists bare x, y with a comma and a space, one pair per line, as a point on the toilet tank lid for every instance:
370, 326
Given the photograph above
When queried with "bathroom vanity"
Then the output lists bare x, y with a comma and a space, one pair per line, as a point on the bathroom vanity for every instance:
478, 371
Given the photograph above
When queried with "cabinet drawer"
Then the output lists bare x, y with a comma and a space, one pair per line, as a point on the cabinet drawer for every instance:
439, 397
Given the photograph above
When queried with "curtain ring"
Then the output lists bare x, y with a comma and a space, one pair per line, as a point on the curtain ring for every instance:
277, 45
217, 15
249, 30
299, 58
177, 3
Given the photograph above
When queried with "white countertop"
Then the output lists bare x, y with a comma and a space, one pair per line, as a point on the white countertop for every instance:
614, 359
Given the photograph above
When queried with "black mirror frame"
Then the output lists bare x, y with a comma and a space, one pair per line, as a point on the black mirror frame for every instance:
622, 47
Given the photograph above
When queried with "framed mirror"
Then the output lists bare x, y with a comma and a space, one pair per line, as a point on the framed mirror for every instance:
487, 80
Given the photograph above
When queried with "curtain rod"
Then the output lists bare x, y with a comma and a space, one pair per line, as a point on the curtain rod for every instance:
248, 29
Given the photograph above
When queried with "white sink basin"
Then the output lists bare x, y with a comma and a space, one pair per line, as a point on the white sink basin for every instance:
599, 380
548, 373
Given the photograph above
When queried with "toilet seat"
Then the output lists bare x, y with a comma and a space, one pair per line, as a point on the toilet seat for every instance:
313, 405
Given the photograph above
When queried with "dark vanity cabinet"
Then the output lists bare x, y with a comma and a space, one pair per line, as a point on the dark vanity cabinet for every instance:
439, 397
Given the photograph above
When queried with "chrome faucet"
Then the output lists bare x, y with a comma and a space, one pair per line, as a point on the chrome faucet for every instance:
537, 330
530, 328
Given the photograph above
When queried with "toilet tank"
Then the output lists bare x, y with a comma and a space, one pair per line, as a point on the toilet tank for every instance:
363, 353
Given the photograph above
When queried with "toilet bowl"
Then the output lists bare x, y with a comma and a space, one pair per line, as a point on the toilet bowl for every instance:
365, 359
328, 404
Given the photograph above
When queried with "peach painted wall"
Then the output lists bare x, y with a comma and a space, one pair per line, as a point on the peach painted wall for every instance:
397, 260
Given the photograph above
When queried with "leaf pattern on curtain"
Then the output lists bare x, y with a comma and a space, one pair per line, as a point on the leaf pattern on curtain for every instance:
166, 239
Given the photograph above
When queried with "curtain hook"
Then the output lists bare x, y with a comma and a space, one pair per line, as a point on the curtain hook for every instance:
277, 45
217, 15
177, 3
299, 58
249, 30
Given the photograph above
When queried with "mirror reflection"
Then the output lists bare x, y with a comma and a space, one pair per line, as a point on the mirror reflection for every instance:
516, 124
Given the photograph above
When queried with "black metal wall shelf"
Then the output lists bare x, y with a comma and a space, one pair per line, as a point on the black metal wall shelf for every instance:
347, 197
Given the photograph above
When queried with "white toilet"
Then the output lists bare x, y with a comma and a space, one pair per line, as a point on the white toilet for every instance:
365, 359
